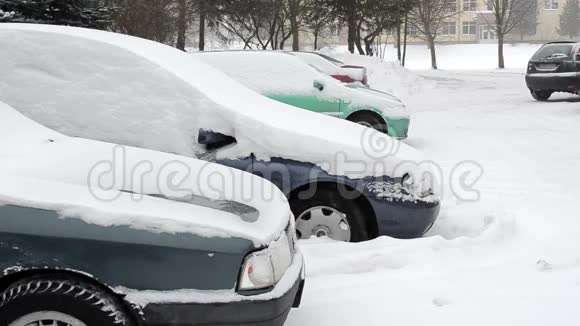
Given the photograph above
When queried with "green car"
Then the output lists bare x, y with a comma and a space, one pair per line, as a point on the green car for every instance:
284, 77
97, 234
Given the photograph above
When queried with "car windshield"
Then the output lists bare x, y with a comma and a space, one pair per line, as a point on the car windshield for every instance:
552, 51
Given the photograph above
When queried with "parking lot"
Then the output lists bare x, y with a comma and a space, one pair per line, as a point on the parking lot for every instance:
494, 260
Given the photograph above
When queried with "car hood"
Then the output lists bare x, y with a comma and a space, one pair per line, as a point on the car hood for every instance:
110, 185
208, 99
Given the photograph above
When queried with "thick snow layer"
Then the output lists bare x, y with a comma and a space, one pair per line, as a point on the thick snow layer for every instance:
127, 90
294, 77
109, 185
458, 56
328, 67
144, 298
508, 258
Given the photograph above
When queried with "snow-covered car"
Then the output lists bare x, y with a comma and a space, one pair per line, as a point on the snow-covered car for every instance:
286, 78
333, 67
342, 180
90, 238
555, 67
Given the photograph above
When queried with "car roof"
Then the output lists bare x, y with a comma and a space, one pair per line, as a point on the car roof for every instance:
564, 42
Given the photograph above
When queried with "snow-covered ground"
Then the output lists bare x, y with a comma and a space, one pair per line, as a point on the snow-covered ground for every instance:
461, 56
509, 258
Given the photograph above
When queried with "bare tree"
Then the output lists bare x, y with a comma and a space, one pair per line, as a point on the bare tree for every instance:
428, 16
294, 13
507, 15
259, 24
570, 19
318, 15
151, 19
184, 18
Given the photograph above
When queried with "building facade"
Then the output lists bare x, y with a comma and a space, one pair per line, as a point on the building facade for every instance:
473, 23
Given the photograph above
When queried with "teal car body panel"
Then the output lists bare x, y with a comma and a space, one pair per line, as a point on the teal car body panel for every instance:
396, 127
32, 239
317, 104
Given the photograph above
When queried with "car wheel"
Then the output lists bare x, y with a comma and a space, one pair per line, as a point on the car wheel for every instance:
326, 214
370, 120
541, 95
58, 301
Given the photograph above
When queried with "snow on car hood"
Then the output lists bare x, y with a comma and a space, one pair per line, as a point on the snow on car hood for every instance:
122, 89
108, 185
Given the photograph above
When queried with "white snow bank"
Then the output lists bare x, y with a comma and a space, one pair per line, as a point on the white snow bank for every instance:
506, 257
128, 90
107, 185
459, 56
386, 75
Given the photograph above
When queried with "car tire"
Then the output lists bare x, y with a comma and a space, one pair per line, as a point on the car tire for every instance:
369, 119
541, 95
60, 299
330, 203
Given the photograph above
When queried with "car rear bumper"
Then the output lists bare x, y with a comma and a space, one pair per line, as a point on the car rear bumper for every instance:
268, 309
558, 82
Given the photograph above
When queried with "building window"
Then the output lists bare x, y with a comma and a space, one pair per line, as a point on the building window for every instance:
490, 5
469, 5
551, 4
469, 28
449, 28
412, 31
451, 5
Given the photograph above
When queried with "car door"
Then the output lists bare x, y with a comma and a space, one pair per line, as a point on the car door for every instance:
311, 102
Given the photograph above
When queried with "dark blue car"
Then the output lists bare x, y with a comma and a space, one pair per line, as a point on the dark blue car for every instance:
335, 206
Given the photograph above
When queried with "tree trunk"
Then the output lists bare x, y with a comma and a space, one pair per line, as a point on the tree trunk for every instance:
431, 42
181, 24
500, 41
405, 39
316, 41
202, 13
399, 57
358, 42
294, 25
351, 32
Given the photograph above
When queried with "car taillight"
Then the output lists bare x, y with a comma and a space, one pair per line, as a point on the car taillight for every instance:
344, 78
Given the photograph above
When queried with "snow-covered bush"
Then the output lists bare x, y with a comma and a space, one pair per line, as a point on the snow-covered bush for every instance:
6, 15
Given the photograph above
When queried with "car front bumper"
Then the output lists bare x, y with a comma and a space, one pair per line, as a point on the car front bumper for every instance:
403, 218
397, 128
558, 82
268, 309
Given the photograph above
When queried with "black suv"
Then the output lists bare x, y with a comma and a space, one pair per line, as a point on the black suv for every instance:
554, 68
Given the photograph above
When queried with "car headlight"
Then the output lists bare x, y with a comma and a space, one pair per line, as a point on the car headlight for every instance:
264, 268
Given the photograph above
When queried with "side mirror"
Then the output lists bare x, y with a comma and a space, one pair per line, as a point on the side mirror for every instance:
318, 85
214, 140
